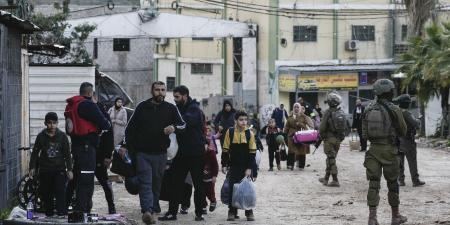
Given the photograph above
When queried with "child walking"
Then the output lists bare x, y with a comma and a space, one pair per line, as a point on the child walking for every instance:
51, 160
238, 156
211, 169
272, 132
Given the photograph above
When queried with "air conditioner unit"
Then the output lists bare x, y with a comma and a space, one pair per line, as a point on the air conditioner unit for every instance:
352, 45
162, 41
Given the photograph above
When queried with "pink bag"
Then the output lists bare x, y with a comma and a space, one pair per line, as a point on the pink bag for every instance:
305, 136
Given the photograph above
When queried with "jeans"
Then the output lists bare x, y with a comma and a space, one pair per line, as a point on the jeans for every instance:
150, 172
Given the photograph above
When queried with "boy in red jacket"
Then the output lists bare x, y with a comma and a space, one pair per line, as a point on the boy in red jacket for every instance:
211, 169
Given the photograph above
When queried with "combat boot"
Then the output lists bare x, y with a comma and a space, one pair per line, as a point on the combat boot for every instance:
418, 183
324, 180
397, 219
373, 216
335, 182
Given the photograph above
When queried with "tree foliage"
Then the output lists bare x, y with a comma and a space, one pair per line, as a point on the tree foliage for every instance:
56, 30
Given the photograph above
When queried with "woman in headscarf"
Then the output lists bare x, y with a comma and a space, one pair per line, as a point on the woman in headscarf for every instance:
224, 119
118, 117
296, 122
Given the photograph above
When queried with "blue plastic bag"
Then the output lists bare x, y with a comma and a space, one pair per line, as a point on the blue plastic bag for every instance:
244, 194
225, 192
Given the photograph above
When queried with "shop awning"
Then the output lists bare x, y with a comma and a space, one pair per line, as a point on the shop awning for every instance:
355, 68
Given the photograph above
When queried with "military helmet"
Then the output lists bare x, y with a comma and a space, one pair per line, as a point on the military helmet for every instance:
334, 99
404, 98
382, 86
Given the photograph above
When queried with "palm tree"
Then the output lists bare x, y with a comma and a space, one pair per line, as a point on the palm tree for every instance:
428, 66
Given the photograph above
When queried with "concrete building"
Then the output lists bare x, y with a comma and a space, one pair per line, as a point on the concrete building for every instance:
326, 44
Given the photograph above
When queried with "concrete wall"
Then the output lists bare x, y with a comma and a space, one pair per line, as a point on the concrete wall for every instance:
131, 69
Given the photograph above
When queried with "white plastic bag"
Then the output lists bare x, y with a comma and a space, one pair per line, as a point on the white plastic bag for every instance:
244, 194
173, 147
258, 158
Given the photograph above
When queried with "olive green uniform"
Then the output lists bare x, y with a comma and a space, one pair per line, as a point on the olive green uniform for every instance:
408, 148
331, 142
381, 159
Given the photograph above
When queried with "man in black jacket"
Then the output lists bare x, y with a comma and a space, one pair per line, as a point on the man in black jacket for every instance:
191, 148
83, 146
147, 137
357, 123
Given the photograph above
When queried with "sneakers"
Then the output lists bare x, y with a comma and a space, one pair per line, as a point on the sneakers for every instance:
168, 217
199, 218
231, 216
279, 167
270, 169
212, 206
184, 210
249, 215
147, 218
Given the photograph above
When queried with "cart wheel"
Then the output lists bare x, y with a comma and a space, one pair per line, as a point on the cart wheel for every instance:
27, 190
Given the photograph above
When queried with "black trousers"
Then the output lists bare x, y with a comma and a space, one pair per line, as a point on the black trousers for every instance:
362, 140
301, 159
181, 166
187, 194
101, 173
84, 168
273, 154
52, 185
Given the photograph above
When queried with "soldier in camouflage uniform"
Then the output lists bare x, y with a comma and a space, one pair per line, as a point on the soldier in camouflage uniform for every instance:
332, 137
408, 146
382, 124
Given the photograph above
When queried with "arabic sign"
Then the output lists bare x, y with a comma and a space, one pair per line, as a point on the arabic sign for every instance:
315, 82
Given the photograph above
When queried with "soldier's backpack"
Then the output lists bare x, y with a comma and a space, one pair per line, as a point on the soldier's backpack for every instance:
339, 123
379, 122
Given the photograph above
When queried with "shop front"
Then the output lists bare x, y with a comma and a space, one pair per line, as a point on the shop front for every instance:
313, 83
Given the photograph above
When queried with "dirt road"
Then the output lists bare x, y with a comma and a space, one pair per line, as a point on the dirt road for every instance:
296, 197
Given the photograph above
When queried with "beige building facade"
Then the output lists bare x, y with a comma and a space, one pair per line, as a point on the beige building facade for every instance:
304, 48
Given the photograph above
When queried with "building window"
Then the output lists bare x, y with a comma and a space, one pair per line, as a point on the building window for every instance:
121, 44
203, 39
95, 53
201, 68
404, 32
305, 33
170, 83
363, 33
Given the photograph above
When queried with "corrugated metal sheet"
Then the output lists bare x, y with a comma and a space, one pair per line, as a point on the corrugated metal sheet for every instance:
50, 86
10, 108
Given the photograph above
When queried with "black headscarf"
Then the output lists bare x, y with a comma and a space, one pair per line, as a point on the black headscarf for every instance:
224, 112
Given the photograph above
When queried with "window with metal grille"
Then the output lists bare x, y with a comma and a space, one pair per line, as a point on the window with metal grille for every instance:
170, 83
201, 68
95, 55
121, 44
404, 32
305, 33
363, 33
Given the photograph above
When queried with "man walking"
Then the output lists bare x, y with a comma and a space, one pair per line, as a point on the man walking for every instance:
147, 138
190, 155
280, 115
357, 123
408, 145
84, 121
382, 124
